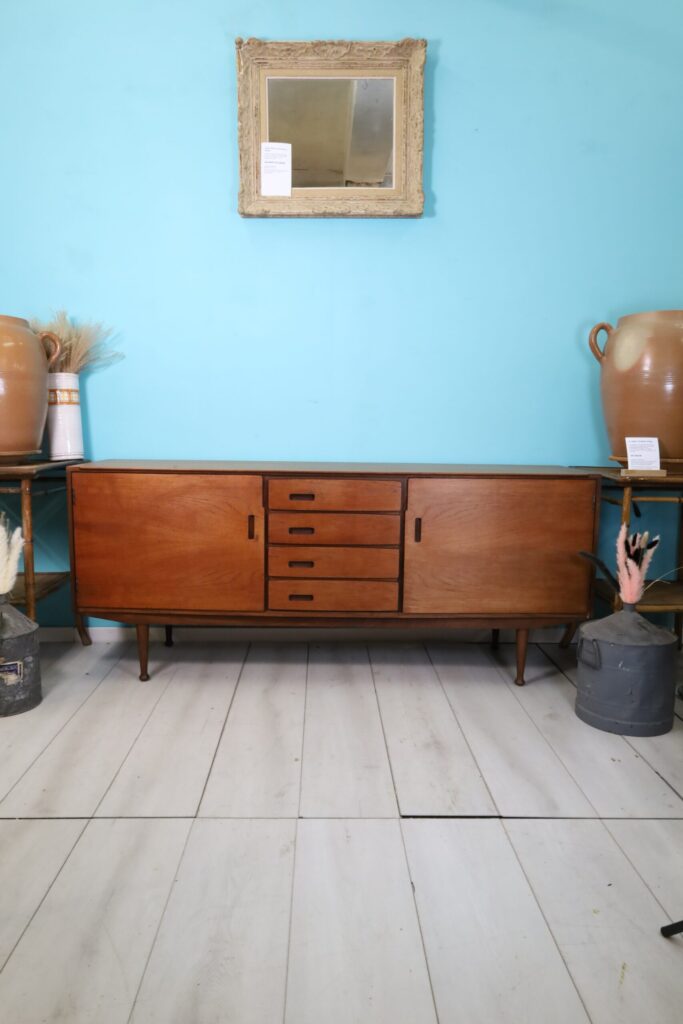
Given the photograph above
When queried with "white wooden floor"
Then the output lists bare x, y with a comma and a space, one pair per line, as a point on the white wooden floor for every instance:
333, 834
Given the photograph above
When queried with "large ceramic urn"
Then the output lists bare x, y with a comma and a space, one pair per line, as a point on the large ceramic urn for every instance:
24, 365
641, 379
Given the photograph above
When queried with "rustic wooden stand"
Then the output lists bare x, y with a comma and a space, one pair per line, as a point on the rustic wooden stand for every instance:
29, 480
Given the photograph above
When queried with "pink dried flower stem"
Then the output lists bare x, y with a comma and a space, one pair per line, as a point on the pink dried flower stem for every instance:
634, 555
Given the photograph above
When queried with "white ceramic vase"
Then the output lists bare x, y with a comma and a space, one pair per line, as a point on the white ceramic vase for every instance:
64, 424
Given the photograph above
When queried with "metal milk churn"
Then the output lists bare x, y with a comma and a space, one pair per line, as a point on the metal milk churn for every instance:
627, 675
20, 688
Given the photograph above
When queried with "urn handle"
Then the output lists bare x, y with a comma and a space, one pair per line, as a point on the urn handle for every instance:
593, 340
51, 341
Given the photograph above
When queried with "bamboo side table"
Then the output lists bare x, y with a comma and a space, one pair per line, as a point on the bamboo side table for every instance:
29, 480
663, 596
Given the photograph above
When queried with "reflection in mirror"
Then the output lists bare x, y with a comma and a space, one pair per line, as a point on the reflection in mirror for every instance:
341, 130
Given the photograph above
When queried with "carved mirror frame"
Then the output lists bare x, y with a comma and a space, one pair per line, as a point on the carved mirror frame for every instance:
257, 60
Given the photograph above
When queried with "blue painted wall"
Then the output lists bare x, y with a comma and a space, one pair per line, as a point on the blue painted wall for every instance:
552, 174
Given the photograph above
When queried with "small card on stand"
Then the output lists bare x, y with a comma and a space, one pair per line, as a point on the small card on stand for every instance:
643, 457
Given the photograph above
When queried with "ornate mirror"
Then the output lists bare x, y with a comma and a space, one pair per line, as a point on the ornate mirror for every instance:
330, 129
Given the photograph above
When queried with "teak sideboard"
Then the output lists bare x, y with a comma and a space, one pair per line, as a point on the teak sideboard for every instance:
310, 544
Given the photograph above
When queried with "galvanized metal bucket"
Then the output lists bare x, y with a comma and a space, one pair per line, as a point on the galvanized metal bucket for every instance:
627, 675
20, 688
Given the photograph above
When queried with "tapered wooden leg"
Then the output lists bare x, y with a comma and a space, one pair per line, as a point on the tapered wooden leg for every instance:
522, 644
82, 630
29, 567
143, 650
569, 634
495, 638
168, 642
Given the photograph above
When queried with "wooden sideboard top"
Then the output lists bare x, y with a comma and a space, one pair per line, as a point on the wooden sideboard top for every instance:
308, 468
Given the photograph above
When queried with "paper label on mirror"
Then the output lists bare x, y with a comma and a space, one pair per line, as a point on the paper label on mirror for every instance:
276, 169
643, 452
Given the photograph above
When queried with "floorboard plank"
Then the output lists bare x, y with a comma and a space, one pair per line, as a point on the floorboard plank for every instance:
165, 772
69, 676
82, 957
257, 769
356, 952
616, 780
522, 771
605, 920
345, 769
663, 753
563, 658
491, 956
70, 777
655, 848
31, 855
433, 768
221, 951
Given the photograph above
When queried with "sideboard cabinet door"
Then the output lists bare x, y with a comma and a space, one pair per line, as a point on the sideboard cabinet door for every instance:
168, 541
479, 546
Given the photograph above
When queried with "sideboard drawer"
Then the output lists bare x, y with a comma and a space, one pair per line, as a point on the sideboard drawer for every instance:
335, 563
303, 596
320, 495
333, 528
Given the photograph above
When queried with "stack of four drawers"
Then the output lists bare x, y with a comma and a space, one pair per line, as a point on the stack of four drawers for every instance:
334, 545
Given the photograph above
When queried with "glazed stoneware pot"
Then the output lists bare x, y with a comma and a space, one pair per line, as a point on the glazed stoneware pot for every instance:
641, 379
24, 365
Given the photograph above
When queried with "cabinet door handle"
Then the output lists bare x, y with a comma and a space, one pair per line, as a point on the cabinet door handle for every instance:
301, 597
302, 497
251, 523
301, 565
418, 529
302, 529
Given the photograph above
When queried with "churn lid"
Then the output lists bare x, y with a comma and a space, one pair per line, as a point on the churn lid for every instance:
629, 629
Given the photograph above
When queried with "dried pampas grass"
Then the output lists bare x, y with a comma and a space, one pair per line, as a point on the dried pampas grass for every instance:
84, 346
11, 545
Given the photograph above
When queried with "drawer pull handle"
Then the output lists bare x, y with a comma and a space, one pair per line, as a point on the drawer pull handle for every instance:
302, 497
418, 530
301, 565
250, 527
301, 597
302, 529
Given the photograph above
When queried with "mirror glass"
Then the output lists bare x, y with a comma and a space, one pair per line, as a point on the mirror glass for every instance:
341, 130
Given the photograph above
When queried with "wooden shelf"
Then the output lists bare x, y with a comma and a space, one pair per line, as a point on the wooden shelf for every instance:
31, 470
46, 583
612, 476
661, 597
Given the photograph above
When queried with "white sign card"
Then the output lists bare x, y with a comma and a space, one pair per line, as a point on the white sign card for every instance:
643, 452
276, 169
